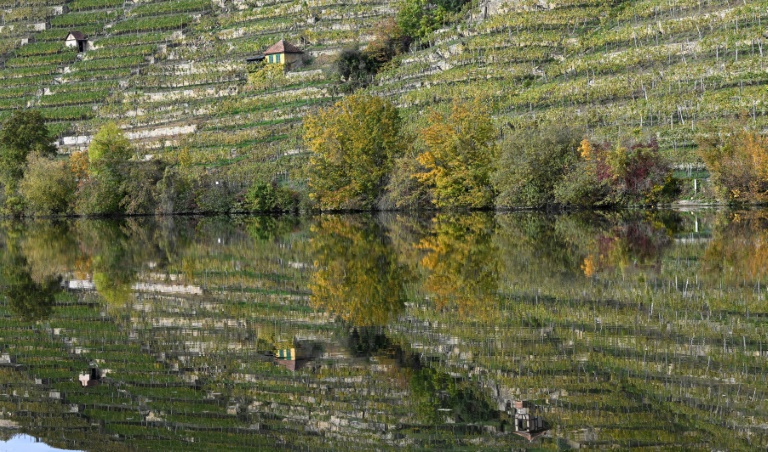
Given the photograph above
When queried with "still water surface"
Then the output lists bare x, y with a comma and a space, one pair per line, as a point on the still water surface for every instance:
466, 331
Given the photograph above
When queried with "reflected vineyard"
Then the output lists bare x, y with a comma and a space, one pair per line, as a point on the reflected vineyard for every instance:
353, 332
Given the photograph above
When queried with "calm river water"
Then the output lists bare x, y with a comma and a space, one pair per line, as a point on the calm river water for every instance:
452, 331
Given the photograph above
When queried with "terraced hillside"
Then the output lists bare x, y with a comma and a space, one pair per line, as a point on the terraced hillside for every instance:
174, 74
671, 69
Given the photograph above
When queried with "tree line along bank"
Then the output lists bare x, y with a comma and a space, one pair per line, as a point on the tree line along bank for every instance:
362, 158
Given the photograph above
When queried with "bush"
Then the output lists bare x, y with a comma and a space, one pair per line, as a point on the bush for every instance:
175, 193
738, 164
389, 41
99, 196
419, 18
267, 76
267, 197
531, 164
581, 187
621, 175
140, 186
639, 175
214, 196
48, 186
356, 68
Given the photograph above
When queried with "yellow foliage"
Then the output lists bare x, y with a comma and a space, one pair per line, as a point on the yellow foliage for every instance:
586, 150
589, 267
461, 263
357, 276
78, 163
459, 155
354, 144
266, 77
738, 164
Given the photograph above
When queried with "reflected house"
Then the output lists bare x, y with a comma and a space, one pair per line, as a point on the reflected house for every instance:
90, 379
295, 358
527, 423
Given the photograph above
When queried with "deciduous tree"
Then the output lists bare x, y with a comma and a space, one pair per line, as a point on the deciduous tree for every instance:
354, 144
459, 155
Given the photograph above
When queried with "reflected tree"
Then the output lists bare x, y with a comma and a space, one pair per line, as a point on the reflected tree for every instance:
29, 299
738, 252
439, 395
357, 277
461, 263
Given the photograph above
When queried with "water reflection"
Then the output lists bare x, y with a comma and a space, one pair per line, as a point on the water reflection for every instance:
26, 443
475, 331
29, 291
358, 276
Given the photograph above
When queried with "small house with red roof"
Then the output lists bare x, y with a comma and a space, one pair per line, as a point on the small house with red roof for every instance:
284, 53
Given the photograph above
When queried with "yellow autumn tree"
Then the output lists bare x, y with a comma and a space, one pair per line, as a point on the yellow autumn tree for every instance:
357, 276
460, 151
354, 144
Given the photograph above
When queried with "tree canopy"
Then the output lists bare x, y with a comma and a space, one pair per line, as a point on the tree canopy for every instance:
459, 156
354, 144
22, 134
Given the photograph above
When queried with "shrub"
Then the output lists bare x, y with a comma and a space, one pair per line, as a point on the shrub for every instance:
637, 173
531, 164
389, 41
48, 186
213, 195
266, 77
419, 18
99, 196
175, 193
356, 68
738, 164
140, 187
268, 197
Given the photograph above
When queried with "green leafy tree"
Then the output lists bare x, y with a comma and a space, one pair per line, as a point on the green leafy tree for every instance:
419, 18
460, 150
103, 192
354, 145
22, 134
109, 149
29, 299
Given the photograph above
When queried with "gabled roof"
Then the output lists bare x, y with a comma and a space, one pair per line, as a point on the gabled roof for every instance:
282, 47
77, 35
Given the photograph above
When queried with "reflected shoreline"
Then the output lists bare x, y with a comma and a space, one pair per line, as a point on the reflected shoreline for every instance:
447, 330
